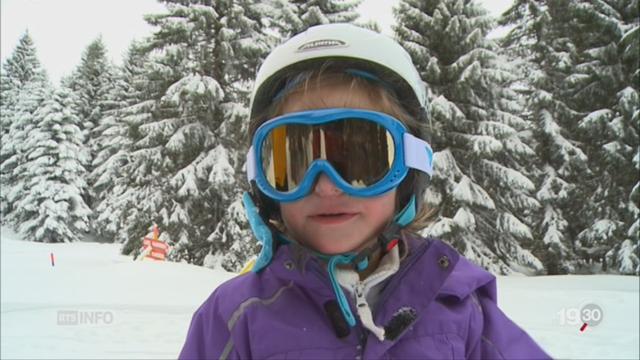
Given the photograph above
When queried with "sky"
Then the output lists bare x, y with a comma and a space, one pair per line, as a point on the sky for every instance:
62, 29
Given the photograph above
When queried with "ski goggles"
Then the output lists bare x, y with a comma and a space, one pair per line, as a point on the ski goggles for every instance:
365, 153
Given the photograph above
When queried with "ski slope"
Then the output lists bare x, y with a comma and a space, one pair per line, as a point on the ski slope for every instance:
96, 303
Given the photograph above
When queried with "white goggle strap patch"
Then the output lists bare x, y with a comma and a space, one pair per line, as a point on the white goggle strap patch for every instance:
418, 154
251, 165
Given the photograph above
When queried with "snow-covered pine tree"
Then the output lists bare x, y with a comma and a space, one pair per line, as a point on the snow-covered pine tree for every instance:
294, 16
23, 87
602, 89
14, 149
51, 207
232, 242
92, 84
19, 69
480, 186
539, 39
185, 153
631, 246
630, 48
117, 132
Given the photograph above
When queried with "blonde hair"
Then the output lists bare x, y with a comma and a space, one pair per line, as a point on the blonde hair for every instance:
386, 101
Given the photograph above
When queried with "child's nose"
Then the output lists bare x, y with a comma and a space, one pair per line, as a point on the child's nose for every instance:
325, 187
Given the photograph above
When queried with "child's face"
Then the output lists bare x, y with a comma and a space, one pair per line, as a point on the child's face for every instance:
360, 220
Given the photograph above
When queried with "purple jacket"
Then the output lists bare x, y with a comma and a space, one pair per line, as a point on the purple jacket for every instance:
280, 313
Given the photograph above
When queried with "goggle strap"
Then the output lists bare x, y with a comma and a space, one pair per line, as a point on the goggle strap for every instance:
290, 85
371, 77
418, 154
408, 214
251, 165
261, 231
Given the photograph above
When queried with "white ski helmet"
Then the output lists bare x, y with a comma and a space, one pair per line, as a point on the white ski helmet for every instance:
345, 43
348, 47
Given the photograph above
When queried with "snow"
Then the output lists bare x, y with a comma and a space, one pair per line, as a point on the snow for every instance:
142, 309
445, 166
465, 219
510, 224
553, 188
539, 305
596, 117
443, 226
192, 87
601, 229
495, 129
221, 172
509, 178
150, 303
627, 257
471, 72
187, 135
484, 145
470, 193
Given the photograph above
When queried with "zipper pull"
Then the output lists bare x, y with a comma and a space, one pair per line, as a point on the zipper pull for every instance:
359, 291
364, 312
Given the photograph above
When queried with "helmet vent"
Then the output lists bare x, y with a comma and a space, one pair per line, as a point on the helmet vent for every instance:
321, 44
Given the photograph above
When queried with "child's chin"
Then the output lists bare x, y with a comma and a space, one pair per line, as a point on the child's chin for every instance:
336, 249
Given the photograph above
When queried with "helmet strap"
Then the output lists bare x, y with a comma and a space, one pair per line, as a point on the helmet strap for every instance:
386, 241
265, 232
262, 230
389, 237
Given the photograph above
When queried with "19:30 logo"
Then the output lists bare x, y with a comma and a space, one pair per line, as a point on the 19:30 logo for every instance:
590, 314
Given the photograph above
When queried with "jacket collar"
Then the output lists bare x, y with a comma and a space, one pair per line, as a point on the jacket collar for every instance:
431, 269
429, 262
423, 272
416, 285
293, 262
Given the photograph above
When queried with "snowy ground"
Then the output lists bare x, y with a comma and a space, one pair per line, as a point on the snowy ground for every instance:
95, 303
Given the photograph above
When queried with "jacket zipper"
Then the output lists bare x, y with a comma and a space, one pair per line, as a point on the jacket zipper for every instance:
362, 340
359, 291
400, 274
362, 333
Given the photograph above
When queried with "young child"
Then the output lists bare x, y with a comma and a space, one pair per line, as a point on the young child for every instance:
338, 167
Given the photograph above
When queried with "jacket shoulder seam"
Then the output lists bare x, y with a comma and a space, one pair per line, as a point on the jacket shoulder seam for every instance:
243, 306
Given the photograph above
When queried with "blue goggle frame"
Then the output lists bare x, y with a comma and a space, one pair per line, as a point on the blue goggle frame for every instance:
410, 153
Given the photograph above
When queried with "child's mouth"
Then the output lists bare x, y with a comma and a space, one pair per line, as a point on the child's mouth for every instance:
332, 219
